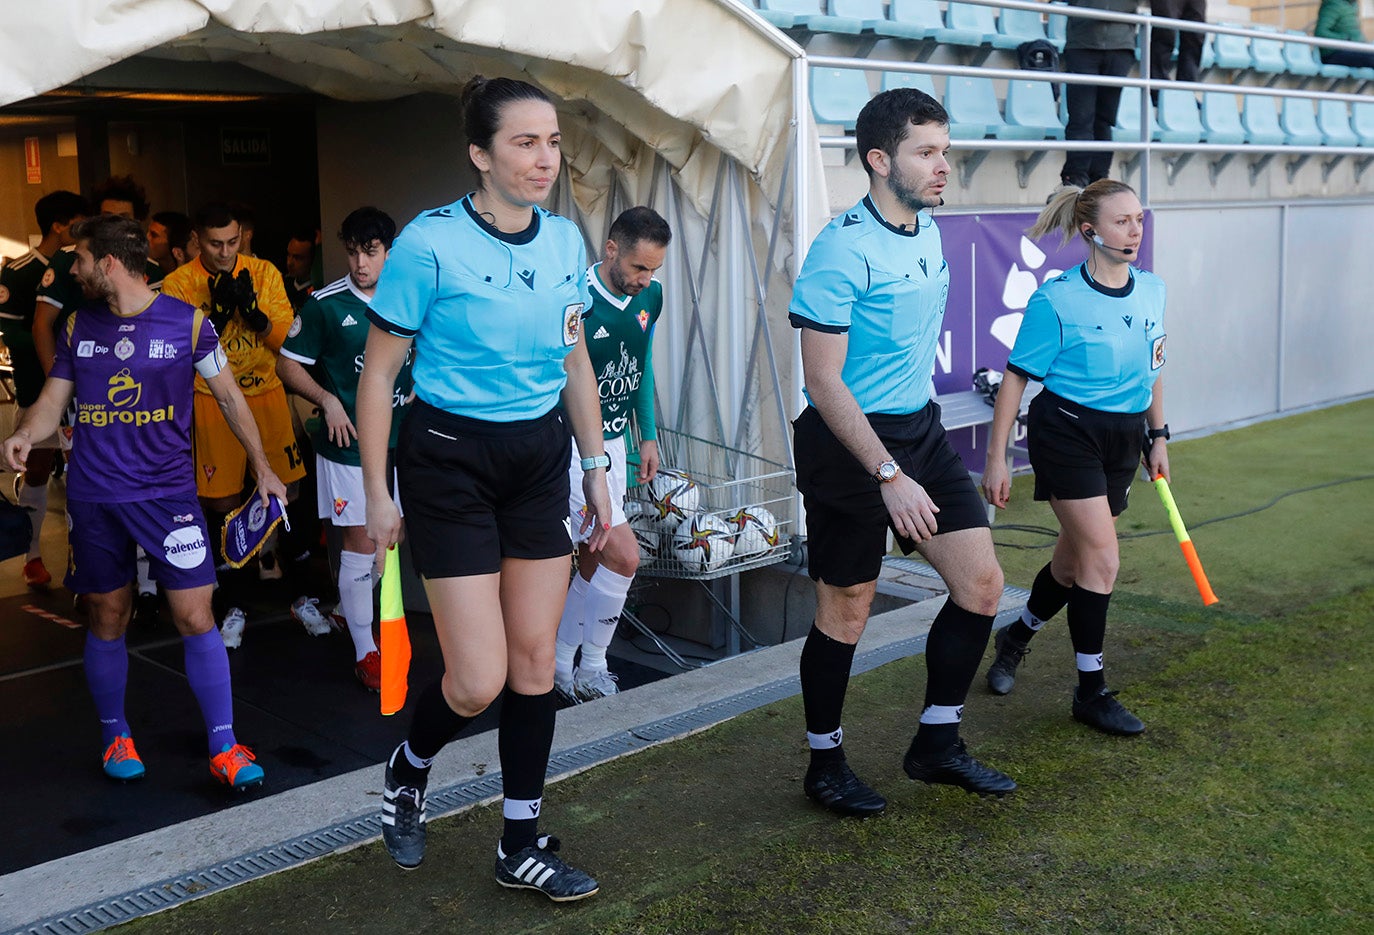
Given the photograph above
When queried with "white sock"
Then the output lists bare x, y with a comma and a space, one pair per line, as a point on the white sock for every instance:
411, 758
825, 741
605, 600
569, 631
1089, 662
521, 809
34, 500
355, 599
942, 714
146, 585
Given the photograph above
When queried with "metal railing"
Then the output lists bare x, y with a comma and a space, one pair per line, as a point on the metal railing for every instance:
977, 150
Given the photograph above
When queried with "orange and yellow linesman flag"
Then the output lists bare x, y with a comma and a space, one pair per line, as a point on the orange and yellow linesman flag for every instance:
1185, 542
395, 637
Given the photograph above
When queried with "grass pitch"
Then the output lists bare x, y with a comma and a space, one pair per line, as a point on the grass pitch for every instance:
1246, 806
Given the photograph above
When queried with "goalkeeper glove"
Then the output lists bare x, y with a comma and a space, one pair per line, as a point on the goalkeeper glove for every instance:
222, 300
246, 300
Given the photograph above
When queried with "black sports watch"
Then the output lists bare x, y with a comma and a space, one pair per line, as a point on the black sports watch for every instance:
1163, 433
886, 471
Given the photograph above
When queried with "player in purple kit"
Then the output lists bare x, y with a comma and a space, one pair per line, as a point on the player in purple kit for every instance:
130, 357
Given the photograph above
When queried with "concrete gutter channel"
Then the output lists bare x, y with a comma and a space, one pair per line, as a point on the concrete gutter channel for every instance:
117, 882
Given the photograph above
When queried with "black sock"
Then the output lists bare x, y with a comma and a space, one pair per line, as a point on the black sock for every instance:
825, 664
1047, 598
524, 741
954, 650
433, 726
1088, 630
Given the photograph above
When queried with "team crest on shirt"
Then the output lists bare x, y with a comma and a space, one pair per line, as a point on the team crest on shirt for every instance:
124, 349
209, 470
49, 278
643, 319
572, 323
4, 294
295, 328
339, 504
1157, 353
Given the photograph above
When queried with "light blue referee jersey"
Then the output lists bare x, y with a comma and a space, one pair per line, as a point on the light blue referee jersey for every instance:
1100, 347
885, 288
493, 314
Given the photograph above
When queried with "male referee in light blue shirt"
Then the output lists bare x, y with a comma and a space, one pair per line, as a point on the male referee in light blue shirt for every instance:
872, 455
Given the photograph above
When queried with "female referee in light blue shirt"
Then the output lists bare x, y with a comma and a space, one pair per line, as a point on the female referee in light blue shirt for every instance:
491, 290
1094, 336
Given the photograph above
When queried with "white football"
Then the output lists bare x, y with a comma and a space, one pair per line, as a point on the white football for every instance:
702, 542
756, 530
674, 496
643, 522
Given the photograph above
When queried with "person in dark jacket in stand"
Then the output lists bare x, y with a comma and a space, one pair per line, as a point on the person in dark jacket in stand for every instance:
1095, 47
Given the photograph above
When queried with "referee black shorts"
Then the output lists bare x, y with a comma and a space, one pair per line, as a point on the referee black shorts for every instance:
1079, 453
846, 519
476, 492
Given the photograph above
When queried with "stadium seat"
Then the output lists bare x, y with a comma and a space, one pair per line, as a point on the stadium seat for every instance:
1261, 121
966, 24
972, 107
1056, 28
1018, 26
788, 14
1030, 104
1209, 55
1362, 122
1230, 51
1333, 119
838, 94
906, 79
1221, 119
870, 14
834, 22
1266, 55
1127, 127
1299, 123
1301, 59
917, 14
1179, 121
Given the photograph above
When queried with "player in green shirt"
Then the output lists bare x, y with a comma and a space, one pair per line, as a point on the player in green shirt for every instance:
320, 360
19, 281
626, 304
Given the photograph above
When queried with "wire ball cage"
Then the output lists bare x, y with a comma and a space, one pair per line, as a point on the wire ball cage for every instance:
741, 503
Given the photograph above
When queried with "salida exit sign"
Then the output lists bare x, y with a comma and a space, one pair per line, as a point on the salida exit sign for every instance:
245, 146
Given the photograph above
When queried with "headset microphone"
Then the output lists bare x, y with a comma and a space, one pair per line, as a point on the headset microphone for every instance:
1124, 251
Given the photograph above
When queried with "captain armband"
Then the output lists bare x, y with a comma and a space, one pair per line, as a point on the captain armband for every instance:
212, 363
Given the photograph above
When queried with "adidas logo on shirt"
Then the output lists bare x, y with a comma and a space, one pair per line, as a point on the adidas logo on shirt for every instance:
348, 320
602, 332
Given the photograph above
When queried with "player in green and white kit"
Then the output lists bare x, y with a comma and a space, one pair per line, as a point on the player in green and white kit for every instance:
321, 359
20, 279
626, 303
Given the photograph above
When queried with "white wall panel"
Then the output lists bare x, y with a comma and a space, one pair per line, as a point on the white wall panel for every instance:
1221, 267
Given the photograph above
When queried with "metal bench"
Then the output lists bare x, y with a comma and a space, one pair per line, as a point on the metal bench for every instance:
969, 409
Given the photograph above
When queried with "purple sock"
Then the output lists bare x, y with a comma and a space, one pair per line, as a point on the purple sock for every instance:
207, 669
107, 672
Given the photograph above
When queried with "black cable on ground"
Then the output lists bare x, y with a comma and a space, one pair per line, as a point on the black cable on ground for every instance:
1054, 533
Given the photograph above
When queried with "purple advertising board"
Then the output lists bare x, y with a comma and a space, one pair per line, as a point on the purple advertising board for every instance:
994, 268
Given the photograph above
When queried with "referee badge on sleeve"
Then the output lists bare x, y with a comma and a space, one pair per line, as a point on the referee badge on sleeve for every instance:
572, 323
1157, 353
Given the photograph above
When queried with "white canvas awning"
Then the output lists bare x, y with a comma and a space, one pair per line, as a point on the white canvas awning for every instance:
686, 79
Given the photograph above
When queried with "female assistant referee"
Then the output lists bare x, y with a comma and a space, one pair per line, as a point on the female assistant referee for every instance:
491, 290
1094, 336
